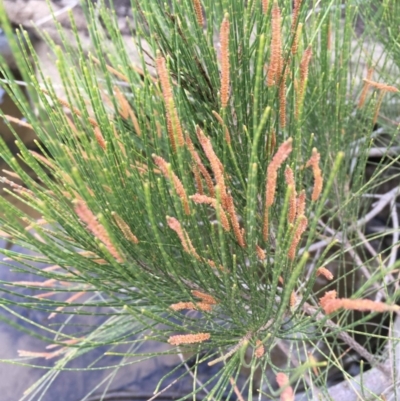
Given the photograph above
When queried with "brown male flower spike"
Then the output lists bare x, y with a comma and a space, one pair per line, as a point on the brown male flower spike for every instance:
173, 124
180, 190
330, 304
204, 297
265, 6
304, 64
86, 215
366, 86
313, 162
323, 271
301, 203
203, 306
260, 350
125, 229
289, 176
380, 86
198, 198
275, 65
225, 65
216, 165
283, 383
280, 156
301, 227
189, 338
200, 165
187, 245
199, 12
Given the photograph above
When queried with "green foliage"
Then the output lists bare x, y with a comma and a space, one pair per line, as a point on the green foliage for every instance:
130, 145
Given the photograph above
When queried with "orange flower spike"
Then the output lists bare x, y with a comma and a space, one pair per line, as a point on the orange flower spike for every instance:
191, 306
216, 165
99, 138
301, 227
204, 297
198, 198
199, 12
179, 188
189, 338
282, 100
187, 245
260, 350
295, 15
293, 299
383, 87
260, 253
239, 234
283, 383
323, 271
313, 162
275, 66
366, 86
125, 229
330, 304
289, 176
172, 115
304, 64
164, 79
280, 156
296, 38
225, 64
200, 166
265, 6
301, 203
86, 215
221, 121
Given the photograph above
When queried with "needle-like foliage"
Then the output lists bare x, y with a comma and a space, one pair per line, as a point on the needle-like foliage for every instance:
206, 195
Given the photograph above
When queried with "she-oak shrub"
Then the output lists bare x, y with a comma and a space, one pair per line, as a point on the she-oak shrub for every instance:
195, 189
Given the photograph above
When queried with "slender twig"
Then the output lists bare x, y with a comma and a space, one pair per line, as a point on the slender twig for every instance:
318, 316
